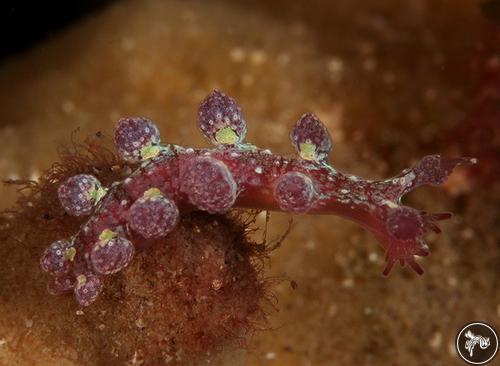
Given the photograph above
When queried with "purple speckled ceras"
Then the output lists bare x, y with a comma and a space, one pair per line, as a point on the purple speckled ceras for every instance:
173, 179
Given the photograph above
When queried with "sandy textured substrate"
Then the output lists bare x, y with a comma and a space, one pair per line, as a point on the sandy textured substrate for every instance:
387, 80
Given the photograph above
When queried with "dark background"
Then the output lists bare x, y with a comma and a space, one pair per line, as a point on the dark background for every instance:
23, 23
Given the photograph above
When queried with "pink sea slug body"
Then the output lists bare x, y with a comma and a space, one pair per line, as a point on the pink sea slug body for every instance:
174, 179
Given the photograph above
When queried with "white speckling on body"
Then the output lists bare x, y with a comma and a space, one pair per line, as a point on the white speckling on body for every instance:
389, 204
258, 170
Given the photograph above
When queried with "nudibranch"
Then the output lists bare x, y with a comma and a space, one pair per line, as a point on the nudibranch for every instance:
172, 179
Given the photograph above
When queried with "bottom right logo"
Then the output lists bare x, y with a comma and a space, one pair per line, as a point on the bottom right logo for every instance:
477, 343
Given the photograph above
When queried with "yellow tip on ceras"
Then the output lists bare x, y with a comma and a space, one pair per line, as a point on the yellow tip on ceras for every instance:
106, 235
307, 151
96, 193
81, 280
226, 136
150, 151
70, 253
152, 193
